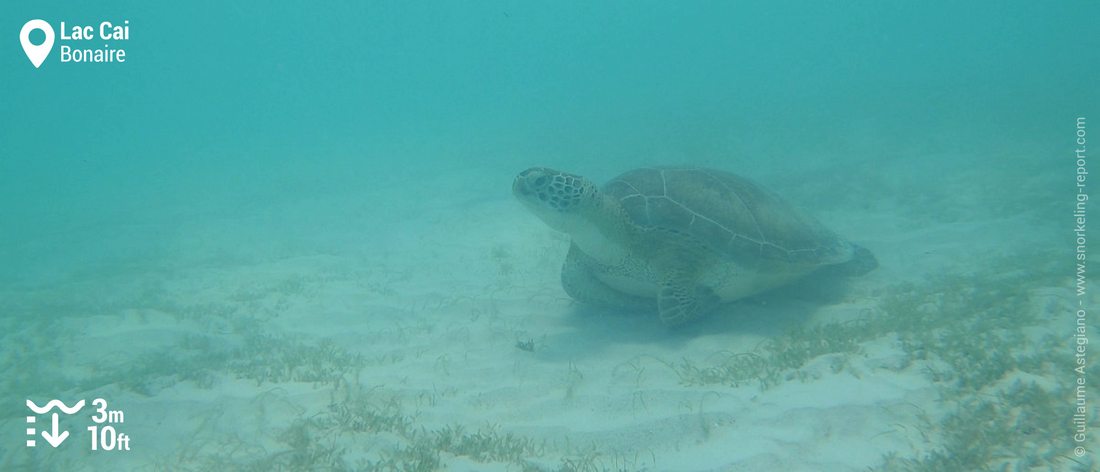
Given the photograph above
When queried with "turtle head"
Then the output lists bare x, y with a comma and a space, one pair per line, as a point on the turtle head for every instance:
557, 198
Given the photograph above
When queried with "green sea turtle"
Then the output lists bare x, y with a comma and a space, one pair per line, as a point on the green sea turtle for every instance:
688, 237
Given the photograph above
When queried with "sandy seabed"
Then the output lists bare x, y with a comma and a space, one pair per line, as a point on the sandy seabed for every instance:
436, 336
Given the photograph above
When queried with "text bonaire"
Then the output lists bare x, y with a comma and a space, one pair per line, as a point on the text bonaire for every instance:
105, 31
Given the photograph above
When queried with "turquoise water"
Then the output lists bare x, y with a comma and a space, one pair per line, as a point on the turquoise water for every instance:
258, 185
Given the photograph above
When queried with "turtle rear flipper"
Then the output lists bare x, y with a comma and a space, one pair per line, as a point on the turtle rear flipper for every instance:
862, 262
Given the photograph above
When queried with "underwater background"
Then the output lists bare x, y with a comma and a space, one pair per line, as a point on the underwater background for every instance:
280, 236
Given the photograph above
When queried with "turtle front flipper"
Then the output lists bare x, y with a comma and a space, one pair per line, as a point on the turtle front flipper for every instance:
680, 299
580, 282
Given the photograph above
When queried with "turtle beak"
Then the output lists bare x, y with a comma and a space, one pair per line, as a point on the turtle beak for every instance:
519, 186
528, 181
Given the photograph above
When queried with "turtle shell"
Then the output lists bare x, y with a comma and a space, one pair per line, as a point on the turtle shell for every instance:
733, 216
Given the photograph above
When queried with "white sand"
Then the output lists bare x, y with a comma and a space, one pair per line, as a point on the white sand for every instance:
434, 297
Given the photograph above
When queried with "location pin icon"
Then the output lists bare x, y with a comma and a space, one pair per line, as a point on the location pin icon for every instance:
36, 53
